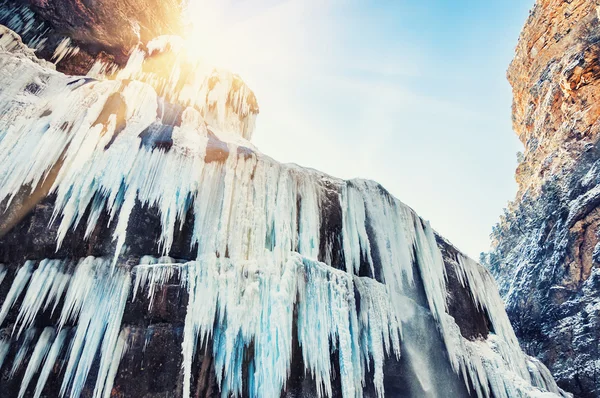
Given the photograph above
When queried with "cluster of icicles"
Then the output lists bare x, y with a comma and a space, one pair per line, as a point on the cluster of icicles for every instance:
223, 99
256, 229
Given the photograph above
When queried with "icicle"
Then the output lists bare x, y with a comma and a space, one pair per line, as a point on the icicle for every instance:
39, 353
364, 204
21, 354
62, 50
51, 359
309, 218
345, 329
379, 325
433, 271
354, 233
46, 286
314, 325
4, 349
257, 306
483, 288
108, 373
541, 376
19, 283
99, 159
3, 272
82, 282
151, 276
100, 309
488, 367
95, 298
200, 314
327, 313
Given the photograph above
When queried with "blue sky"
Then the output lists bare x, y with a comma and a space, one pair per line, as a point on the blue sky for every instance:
412, 94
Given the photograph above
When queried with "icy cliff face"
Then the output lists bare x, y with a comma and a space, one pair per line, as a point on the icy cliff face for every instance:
547, 243
149, 249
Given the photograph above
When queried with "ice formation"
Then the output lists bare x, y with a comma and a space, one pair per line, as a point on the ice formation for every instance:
265, 263
221, 97
4, 348
497, 367
94, 299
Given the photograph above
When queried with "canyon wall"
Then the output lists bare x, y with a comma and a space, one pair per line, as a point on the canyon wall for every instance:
546, 247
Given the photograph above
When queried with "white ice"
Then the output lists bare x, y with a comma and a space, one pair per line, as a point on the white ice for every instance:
256, 231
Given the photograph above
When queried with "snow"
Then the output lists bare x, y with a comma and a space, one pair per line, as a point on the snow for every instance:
577, 207
11, 42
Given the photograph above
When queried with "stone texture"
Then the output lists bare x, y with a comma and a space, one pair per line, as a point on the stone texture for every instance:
546, 249
102, 30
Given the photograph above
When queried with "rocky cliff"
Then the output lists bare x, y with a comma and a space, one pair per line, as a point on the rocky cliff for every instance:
82, 32
148, 249
547, 251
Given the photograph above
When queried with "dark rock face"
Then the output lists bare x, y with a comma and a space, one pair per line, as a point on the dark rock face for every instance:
547, 243
110, 25
102, 30
473, 321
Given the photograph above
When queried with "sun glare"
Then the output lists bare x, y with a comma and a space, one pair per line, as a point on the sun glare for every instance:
213, 35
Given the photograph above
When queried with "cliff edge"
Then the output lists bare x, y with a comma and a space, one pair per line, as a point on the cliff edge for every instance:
546, 252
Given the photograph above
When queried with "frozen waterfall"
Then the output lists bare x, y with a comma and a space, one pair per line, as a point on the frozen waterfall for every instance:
277, 255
